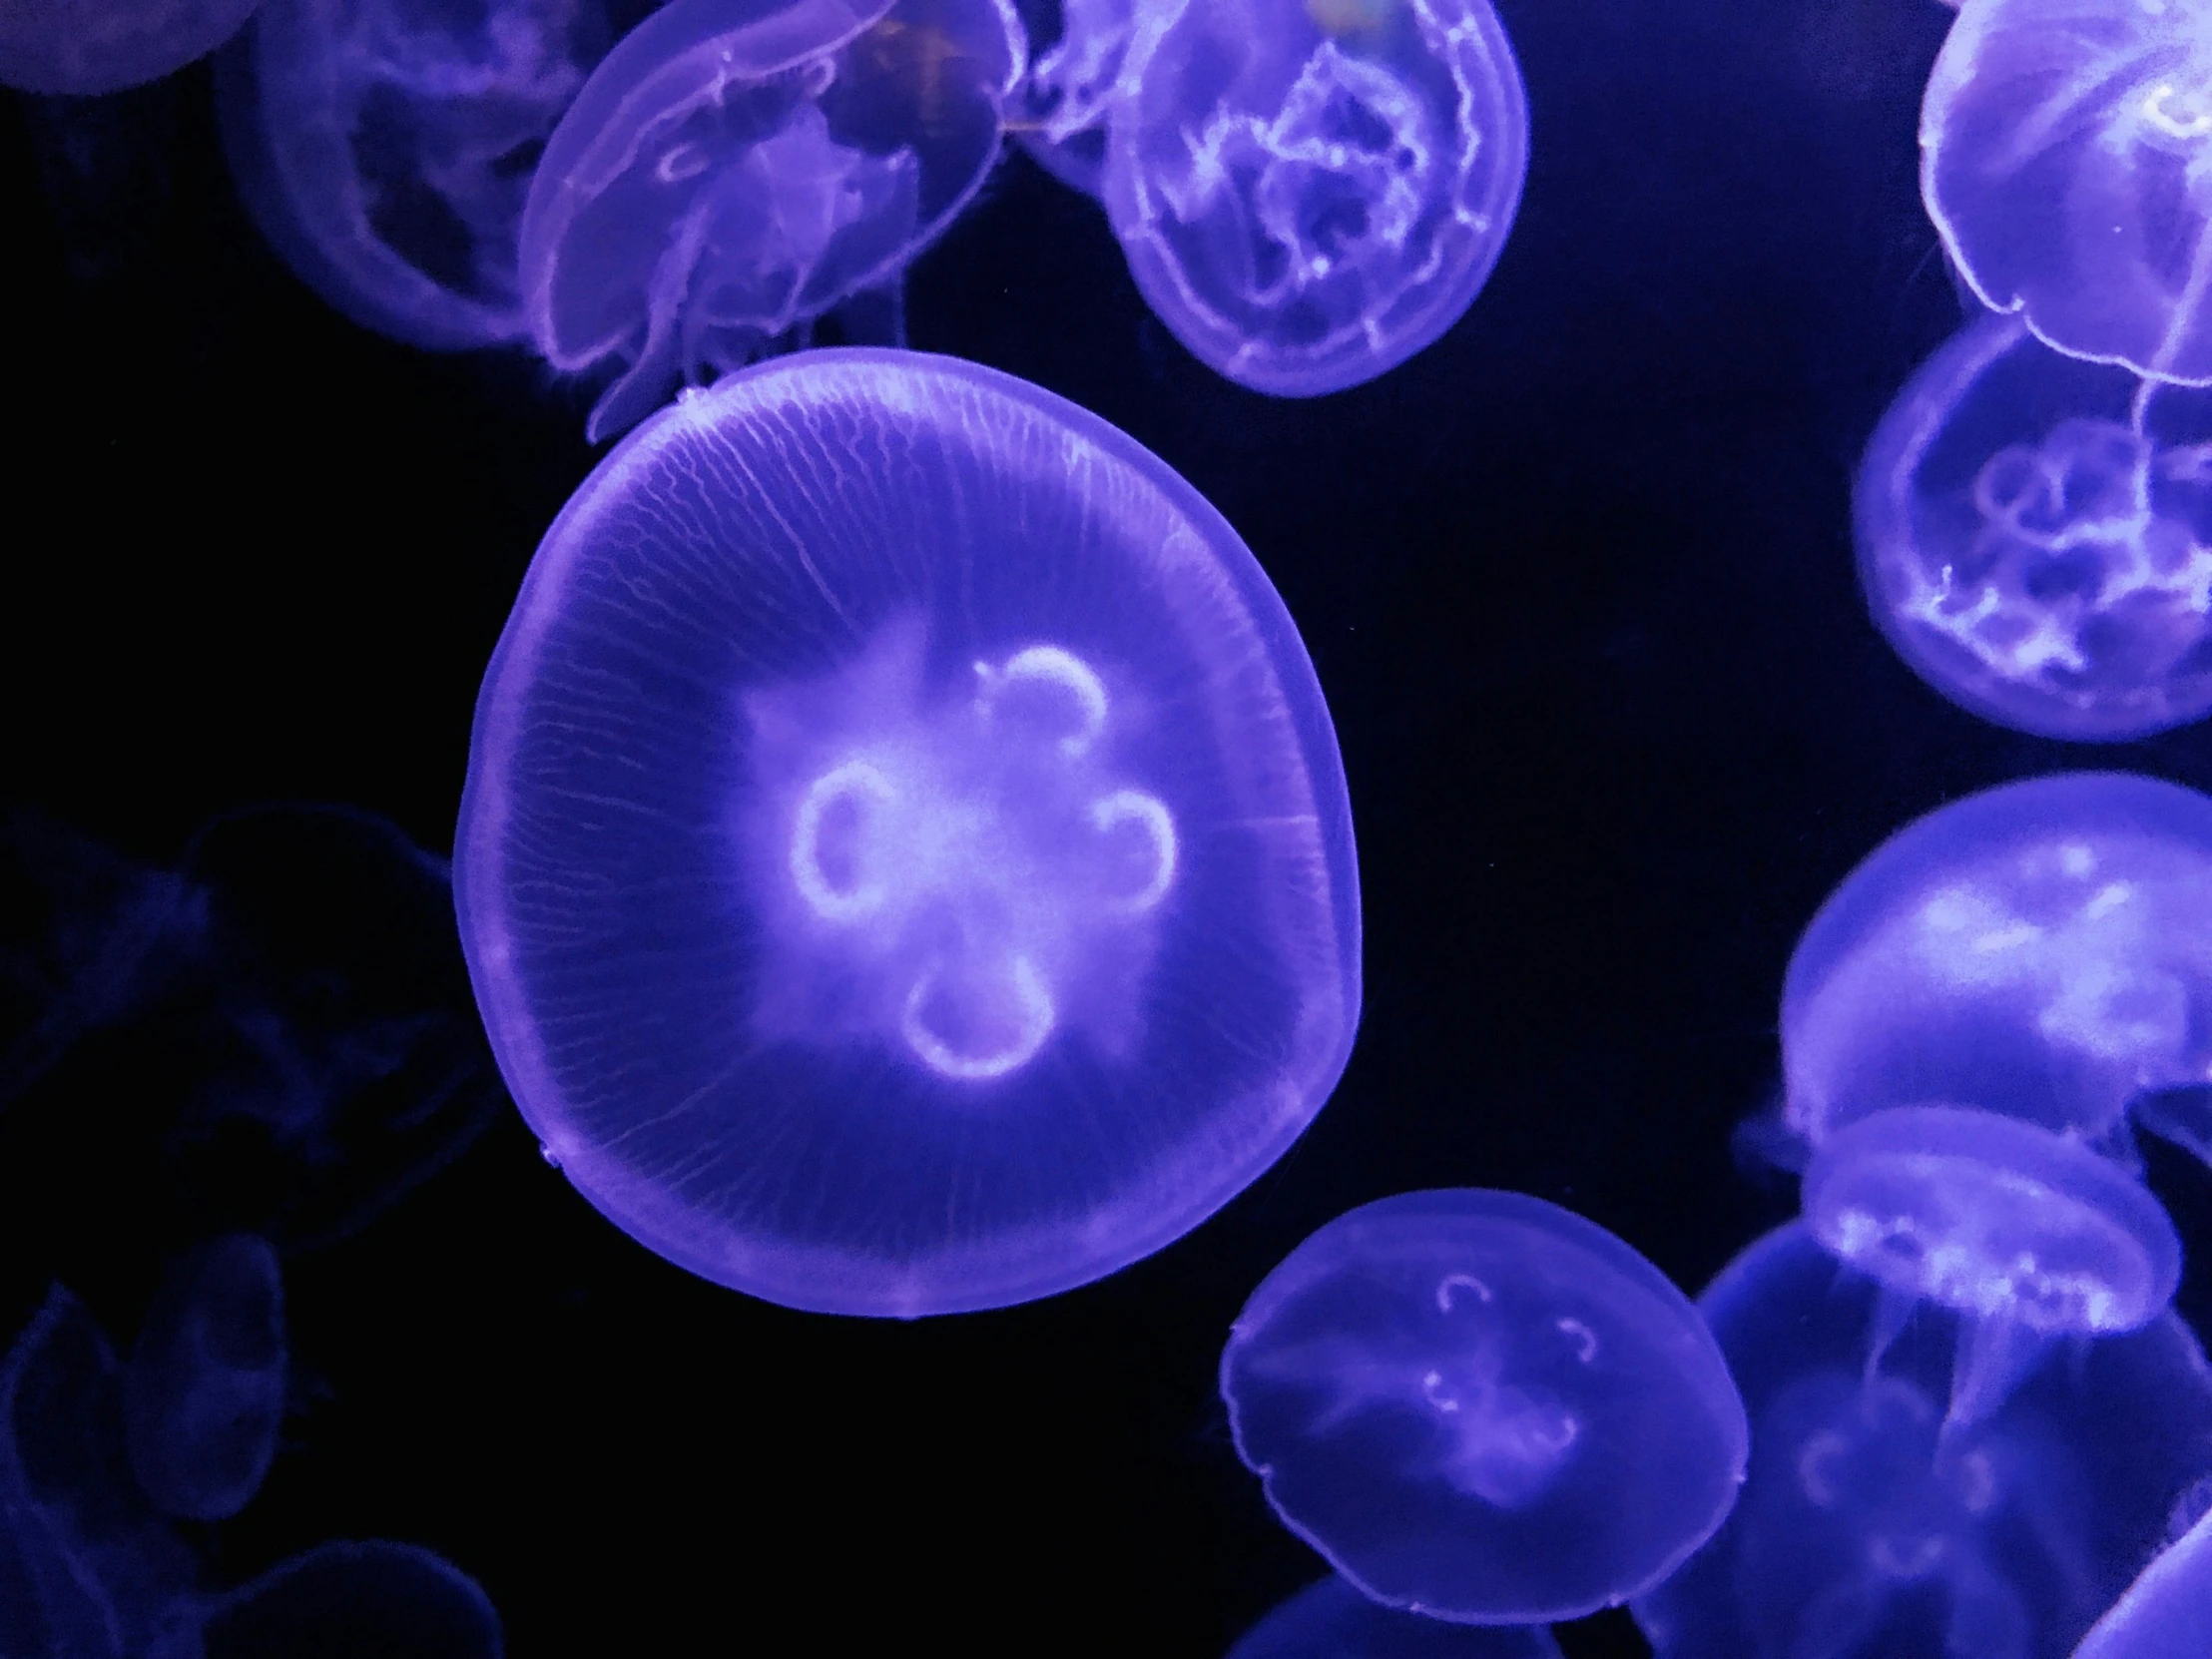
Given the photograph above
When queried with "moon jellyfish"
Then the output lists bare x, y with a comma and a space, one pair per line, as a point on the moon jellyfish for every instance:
1310, 193
1481, 1408
2036, 537
1063, 101
1876, 1525
82, 48
386, 147
2167, 1610
374, 1598
2062, 157
733, 171
205, 1390
1331, 1620
2042, 950
905, 864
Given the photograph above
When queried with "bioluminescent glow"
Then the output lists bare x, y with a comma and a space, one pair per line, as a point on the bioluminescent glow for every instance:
1483, 1407
2036, 537
905, 864
1311, 192
373, 1597
2168, 1609
385, 149
2041, 949
2062, 157
1331, 1620
1876, 1524
82, 48
731, 173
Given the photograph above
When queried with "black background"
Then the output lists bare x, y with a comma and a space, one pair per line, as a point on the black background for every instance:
1579, 587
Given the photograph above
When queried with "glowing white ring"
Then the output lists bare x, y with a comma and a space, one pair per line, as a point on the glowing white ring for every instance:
1039, 1017
1129, 807
854, 778
1056, 667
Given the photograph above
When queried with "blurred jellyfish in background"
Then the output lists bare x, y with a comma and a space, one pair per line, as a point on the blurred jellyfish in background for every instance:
731, 173
2062, 157
1311, 191
203, 1394
367, 1598
2036, 537
82, 48
2167, 1610
1062, 105
1483, 1407
385, 149
1331, 1620
2041, 949
905, 864
1875, 1524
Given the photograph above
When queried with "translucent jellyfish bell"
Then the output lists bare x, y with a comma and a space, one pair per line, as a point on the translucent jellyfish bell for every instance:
371, 1597
2042, 950
737, 168
905, 864
1331, 1620
1311, 191
2062, 157
82, 47
1483, 1407
2036, 537
1874, 1525
386, 147
2167, 1610
1075, 77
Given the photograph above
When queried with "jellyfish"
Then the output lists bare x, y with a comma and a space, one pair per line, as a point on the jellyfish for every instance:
2042, 950
2036, 537
203, 1394
1061, 106
2167, 1610
731, 173
1877, 1525
904, 864
1309, 193
1481, 1408
2062, 158
386, 147
373, 1597
82, 47
1331, 1620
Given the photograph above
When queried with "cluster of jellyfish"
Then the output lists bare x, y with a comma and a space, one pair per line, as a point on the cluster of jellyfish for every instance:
1309, 193
2031, 514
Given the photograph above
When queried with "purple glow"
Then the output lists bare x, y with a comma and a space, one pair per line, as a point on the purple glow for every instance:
2063, 148
2036, 537
905, 864
2042, 950
1483, 1407
1310, 193
82, 48
1331, 1620
1066, 98
735, 168
2168, 1609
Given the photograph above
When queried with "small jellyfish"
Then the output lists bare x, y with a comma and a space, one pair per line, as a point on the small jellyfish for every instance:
385, 149
1309, 192
734, 171
905, 864
1062, 106
1485, 1408
2036, 537
82, 47
2167, 1612
205, 1390
2063, 151
1877, 1525
2041, 949
1331, 1620
375, 1597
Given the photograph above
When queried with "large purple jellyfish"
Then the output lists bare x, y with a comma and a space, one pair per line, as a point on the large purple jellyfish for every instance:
2167, 1612
905, 864
2036, 537
1875, 1524
1483, 1407
1331, 1620
1311, 192
82, 47
385, 150
737, 168
2042, 950
2064, 149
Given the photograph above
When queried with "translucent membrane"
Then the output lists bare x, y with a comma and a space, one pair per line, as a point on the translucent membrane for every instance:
1483, 1407
905, 864
1332, 1620
87, 46
2167, 1610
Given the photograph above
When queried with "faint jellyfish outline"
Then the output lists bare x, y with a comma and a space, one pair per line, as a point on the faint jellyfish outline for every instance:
87, 48
2166, 1610
1330, 1619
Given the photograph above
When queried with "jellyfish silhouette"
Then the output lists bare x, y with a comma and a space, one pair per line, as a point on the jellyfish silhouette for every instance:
1309, 193
1331, 1620
1877, 1525
385, 149
2062, 151
203, 1394
2043, 950
85, 47
2167, 1610
904, 864
1483, 1407
733, 171
2036, 537
374, 1598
